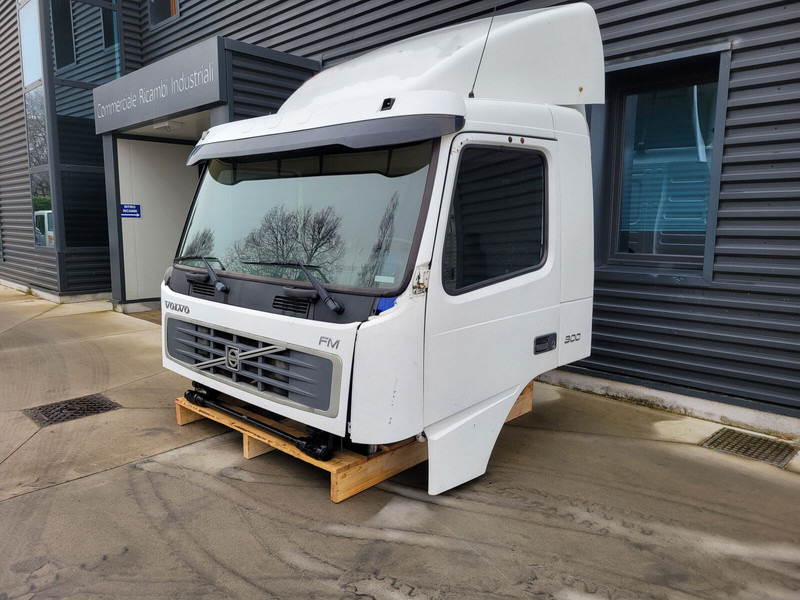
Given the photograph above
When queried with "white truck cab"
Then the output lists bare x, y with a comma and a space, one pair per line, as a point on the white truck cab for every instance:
404, 245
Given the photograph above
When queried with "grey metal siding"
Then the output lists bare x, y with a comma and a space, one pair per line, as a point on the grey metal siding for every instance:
87, 270
92, 63
131, 33
260, 85
21, 261
321, 30
735, 334
739, 334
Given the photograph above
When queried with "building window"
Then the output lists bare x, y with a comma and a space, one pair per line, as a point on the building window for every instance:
496, 226
63, 40
43, 221
161, 10
30, 46
110, 35
36, 124
665, 141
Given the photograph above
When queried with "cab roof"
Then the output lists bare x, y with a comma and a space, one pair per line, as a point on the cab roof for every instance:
545, 56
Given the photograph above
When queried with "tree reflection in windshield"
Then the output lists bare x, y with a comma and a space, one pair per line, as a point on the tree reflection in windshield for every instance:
349, 215
202, 244
303, 235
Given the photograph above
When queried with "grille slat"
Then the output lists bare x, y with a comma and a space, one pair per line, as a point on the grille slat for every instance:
295, 306
281, 374
276, 370
203, 289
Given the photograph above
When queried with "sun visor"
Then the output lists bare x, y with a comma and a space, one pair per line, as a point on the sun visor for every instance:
372, 133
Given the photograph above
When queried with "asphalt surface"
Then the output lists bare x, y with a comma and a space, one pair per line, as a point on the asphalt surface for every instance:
585, 497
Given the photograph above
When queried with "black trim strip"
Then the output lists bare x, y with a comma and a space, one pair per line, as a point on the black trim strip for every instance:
360, 134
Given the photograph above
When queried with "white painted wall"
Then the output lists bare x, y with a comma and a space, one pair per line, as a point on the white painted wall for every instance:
155, 176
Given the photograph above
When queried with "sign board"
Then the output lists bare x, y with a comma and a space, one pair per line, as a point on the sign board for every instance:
188, 79
131, 211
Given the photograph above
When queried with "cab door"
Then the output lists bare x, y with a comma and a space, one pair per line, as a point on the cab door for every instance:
492, 311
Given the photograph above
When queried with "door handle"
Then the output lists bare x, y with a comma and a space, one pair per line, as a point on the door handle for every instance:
545, 343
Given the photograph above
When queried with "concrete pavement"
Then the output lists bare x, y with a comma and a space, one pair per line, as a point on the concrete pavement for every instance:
585, 497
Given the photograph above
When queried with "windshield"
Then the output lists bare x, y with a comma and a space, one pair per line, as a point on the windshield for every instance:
348, 216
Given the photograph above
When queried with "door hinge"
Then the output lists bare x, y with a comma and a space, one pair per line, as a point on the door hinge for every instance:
421, 279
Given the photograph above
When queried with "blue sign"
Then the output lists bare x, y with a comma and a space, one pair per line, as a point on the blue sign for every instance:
131, 211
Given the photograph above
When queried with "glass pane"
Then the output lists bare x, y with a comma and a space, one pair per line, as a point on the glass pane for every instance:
350, 216
77, 142
30, 46
43, 222
161, 10
666, 175
496, 223
93, 61
110, 33
37, 127
83, 197
63, 43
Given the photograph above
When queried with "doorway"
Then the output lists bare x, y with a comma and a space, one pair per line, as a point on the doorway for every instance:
155, 192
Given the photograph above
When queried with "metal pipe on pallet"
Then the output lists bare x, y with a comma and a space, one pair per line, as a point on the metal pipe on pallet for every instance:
312, 447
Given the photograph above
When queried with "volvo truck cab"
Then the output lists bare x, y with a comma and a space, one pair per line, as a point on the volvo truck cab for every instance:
404, 245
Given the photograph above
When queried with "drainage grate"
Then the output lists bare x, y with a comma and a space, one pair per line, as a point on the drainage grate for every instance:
67, 410
756, 447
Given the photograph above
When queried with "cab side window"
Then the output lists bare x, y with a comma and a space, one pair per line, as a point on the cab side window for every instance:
496, 227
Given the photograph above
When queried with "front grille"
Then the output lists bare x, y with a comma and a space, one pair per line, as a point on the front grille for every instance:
259, 366
202, 289
294, 306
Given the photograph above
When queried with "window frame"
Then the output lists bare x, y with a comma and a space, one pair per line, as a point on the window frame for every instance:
696, 66
545, 216
162, 22
56, 67
114, 24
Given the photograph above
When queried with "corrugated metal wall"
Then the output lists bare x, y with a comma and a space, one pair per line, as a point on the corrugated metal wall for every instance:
21, 261
261, 85
739, 334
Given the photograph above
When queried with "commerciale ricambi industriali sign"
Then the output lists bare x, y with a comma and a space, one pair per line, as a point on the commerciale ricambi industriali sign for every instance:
185, 80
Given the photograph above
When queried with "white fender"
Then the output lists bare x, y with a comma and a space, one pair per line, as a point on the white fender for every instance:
459, 446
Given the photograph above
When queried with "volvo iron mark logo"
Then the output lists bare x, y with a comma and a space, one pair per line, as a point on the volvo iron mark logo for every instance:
181, 308
232, 357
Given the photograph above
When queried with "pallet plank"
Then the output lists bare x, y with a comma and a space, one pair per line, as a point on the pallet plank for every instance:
350, 472
378, 468
186, 416
251, 447
523, 404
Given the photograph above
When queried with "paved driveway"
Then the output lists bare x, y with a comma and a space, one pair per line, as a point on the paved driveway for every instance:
585, 497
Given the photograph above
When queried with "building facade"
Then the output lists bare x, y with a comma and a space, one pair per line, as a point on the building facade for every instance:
696, 154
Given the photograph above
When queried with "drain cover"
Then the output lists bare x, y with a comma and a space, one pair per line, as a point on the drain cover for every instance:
757, 447
67, 410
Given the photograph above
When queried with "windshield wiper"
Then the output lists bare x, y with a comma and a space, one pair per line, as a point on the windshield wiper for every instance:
218, 285
323, 293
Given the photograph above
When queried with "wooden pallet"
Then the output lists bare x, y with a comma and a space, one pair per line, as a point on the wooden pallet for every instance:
350, 472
